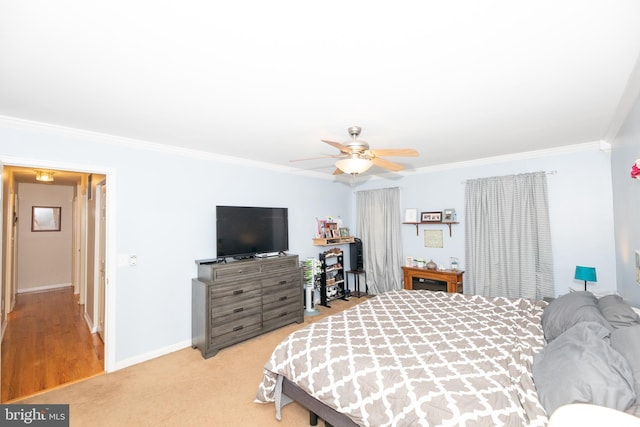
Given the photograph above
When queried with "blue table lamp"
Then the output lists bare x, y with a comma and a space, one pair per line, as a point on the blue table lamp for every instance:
588, 274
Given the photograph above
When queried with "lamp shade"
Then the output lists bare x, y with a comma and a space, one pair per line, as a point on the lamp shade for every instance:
588, 274
354, 165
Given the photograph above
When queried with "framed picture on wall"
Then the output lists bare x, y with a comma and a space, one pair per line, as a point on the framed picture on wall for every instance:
411, 215
431, 216
45, 218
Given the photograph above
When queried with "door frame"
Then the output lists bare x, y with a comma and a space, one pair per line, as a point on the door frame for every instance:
110, 241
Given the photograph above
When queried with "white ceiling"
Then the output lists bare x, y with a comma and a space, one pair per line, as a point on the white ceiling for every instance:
266, 80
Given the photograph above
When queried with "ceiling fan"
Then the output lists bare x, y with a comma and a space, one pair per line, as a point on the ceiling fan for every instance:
356, 156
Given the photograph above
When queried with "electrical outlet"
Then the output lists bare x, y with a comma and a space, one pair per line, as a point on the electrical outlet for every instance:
133, 260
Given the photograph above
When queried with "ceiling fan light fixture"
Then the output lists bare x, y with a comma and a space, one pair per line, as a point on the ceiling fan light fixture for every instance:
354, 165
44, 176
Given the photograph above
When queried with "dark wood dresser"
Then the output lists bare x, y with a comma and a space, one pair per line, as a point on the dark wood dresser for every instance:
239, 300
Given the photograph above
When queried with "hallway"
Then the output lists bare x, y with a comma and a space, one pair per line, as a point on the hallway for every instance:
47, 344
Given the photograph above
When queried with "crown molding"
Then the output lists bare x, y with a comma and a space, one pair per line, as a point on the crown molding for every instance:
588, 146
103, 138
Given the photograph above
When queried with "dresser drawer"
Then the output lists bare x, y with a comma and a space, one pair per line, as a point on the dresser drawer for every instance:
281, 297
285, 280
236, 269
283, 314
241, 307
238, 326
220, 292
277, 264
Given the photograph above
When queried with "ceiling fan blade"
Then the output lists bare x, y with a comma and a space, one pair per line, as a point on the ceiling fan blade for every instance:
400, 152
337, 145
315, 158
337, 171
386, 164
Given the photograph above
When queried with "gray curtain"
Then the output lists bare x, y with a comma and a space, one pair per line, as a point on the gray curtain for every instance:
378, 225
508, 237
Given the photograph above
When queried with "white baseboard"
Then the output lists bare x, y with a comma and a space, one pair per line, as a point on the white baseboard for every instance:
151, 355
93, 328
44, 288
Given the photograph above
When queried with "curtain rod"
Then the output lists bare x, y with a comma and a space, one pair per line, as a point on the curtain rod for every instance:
552, 172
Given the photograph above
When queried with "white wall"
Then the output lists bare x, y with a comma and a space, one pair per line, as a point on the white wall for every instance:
44, 258
580, 208
626, 197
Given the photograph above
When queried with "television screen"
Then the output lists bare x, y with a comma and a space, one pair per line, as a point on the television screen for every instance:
245, 231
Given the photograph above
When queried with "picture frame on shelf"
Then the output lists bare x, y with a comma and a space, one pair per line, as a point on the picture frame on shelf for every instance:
411, 215
344, 232
449, 215
431, 217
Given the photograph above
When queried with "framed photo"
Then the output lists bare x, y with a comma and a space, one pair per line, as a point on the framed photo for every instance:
431, 217
449, 215
45, 218
344, 232
411, 215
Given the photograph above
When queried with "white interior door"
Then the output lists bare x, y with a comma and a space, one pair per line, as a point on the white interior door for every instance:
3, 309
101, 211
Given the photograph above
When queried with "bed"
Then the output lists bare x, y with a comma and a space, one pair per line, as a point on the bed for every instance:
414, 358
433, 358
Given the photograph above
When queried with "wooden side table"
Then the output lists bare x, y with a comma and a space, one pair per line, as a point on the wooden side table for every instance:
453, 278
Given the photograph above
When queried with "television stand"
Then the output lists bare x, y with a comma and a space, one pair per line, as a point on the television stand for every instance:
242, 299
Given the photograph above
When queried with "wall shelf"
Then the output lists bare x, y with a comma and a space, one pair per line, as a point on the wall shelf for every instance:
333, 241
431, 223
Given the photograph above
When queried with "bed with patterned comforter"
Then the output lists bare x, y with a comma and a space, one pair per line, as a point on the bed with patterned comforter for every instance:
418, 358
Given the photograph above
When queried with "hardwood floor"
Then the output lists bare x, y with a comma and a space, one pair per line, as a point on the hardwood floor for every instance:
46, 344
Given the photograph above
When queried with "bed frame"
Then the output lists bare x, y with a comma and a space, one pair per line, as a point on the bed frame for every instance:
316, 408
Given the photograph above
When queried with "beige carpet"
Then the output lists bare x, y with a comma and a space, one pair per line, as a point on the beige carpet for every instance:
183, 389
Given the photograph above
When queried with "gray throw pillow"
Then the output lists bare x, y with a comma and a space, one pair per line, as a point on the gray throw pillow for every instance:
617, 312
626, 341
568, 310
581, 367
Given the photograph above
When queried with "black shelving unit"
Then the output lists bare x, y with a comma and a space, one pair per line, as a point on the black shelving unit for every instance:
332, 276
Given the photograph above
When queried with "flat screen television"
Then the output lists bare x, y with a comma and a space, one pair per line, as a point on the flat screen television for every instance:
243, 231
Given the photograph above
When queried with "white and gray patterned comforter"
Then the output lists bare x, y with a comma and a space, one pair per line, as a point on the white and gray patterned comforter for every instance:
419, 358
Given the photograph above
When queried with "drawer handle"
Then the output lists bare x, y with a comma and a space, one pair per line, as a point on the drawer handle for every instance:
238, 310
283, 298
283, 314
283, 282
237, 328
238, 292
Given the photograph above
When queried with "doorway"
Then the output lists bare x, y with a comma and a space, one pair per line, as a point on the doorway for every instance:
84, 300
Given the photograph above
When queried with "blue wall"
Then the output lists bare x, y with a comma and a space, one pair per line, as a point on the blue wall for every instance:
580, 207
165, 205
